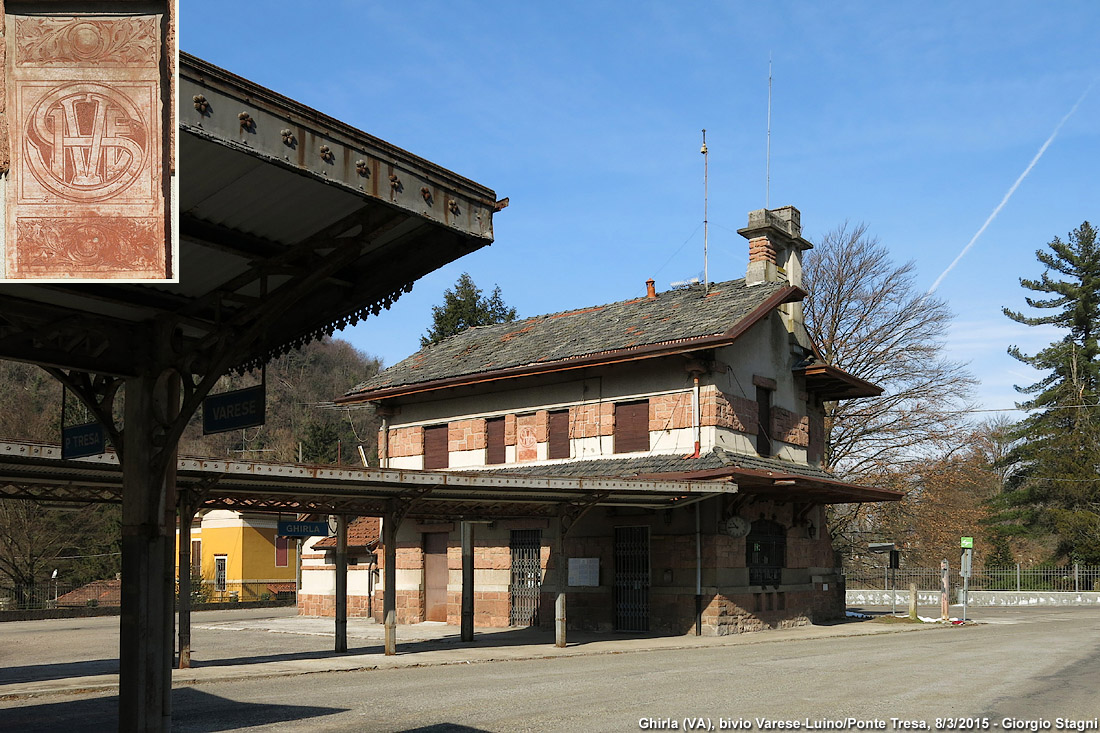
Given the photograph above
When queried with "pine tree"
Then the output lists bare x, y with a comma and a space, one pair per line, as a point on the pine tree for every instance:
464, 307
1057, 489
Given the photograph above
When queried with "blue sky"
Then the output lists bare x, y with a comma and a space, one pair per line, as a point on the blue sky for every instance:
914, 118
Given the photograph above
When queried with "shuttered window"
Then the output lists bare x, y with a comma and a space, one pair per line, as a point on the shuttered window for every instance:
435, 447
281, 551
632, 426
494, 440
196, 558
559, 434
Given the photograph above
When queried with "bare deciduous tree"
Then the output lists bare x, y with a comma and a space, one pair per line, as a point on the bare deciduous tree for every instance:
35, 540
869, 319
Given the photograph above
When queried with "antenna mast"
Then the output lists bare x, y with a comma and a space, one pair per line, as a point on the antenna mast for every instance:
768, 163
706, 274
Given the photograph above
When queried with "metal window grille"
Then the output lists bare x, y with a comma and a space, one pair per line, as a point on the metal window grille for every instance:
526, 581
219, 573
766, 553
632, 578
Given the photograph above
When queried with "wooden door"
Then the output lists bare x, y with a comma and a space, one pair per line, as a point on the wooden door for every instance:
435, 576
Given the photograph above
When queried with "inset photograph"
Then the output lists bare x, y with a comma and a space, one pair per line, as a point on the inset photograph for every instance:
87, 151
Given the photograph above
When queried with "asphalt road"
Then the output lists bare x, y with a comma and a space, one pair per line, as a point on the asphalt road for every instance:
1029, 666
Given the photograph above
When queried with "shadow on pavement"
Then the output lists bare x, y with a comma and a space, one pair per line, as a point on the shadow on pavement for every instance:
192, 710
58, 671
515, 637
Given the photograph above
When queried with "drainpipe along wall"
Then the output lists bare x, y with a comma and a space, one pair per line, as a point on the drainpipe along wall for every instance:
384, 444
696, 418
696, 421
698, 573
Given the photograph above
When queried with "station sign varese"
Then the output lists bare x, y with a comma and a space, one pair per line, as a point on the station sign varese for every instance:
242, 408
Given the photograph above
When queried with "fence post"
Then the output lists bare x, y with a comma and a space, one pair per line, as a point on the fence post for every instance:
1076, 576
1017, 577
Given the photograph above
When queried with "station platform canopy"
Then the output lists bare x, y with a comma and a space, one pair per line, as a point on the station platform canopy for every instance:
36, 471
292, 224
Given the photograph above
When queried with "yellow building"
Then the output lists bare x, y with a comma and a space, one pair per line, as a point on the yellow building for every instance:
238, 556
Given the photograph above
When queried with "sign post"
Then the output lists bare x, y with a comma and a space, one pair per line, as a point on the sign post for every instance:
944, 602
967, 545
895, 563
880, 548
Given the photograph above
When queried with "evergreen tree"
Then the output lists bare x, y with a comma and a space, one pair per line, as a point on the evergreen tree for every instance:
1057, 488
464, 307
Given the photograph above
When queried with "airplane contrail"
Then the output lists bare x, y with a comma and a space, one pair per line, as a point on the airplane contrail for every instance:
1011, 191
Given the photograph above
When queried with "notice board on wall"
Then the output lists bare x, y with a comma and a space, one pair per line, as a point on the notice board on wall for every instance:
584, 571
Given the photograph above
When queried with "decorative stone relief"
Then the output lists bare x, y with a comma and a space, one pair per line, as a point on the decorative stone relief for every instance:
86, 199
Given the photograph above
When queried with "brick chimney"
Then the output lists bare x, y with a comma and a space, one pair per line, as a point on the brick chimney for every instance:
775, 246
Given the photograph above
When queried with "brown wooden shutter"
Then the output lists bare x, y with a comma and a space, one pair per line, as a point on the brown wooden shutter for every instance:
494, 441
436, 447
559, 434
631, 426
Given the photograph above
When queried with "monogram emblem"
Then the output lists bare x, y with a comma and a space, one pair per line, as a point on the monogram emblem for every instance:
86, 141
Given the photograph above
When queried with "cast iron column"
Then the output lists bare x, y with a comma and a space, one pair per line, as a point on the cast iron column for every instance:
187, 518
341, 583
467, 581
562, 578
145, 682
389, 602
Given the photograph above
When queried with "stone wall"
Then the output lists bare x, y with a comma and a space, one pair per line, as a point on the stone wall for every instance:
406, 442
790, 427
810, 590
466, 435
670, 412
592, 420
728, 411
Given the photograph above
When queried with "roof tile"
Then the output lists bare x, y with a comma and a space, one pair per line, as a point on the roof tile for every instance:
675, 315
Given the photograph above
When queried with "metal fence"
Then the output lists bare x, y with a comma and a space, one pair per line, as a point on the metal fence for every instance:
108, 593
58, 595
1011, 578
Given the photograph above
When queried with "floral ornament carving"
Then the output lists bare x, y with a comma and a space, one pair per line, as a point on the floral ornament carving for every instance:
87, 41
89, 245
